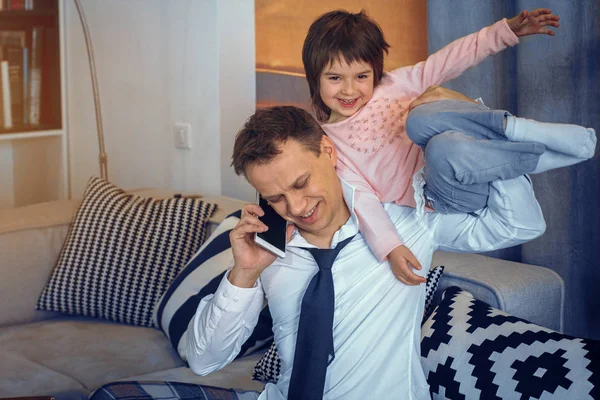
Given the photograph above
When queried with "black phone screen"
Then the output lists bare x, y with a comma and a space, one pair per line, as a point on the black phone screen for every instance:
277, 226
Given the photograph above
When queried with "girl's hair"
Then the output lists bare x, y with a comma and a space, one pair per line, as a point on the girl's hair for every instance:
341, 35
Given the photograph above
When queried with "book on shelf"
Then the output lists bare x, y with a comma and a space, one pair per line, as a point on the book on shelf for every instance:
13, 49
21, 96
21, 5
35, 77
16, 66
6, 106
1, 97
15, 4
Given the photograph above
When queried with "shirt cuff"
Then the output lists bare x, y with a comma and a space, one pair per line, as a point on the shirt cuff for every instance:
507, 35
232, 298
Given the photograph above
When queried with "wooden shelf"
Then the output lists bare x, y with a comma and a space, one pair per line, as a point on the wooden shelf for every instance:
47, 18
31, 134
35, 167
17, 19
30, 128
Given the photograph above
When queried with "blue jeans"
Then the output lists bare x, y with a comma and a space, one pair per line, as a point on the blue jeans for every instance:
465, 149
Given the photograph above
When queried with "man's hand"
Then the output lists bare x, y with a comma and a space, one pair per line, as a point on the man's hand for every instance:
435, 93
399, 259
250, 260
534, 22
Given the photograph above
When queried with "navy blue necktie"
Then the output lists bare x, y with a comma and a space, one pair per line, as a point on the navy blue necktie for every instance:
314, 345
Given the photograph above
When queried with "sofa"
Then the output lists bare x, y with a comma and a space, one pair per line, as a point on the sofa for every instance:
46, 353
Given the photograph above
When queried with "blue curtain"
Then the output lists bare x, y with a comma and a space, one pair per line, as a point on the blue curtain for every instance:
553, 79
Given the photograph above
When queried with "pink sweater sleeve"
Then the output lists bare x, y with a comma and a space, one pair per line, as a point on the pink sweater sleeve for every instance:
374, 223
457, 57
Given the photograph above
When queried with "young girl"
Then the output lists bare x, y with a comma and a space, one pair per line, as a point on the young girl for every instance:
364, 111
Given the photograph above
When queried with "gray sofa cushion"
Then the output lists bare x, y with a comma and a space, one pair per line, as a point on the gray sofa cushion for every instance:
237, 375
19, 375
91, 352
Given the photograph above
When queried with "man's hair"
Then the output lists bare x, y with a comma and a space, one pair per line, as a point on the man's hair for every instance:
267, 129
340, 34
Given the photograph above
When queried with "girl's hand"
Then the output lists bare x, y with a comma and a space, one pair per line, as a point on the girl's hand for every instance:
401, 260
534, 22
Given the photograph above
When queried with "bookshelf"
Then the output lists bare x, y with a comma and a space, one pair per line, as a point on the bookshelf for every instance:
33, 134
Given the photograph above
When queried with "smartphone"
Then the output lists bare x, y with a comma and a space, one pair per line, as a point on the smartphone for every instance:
274, 239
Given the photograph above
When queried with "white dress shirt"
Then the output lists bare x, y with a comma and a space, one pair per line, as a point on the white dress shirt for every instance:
376, 326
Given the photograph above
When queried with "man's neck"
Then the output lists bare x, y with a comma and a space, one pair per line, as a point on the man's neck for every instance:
324, 238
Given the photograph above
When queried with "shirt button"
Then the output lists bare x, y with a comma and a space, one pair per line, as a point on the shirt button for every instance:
225, 295
235, 299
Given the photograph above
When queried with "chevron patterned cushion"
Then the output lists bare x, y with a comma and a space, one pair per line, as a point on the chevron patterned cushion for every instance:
470, 350
121, 253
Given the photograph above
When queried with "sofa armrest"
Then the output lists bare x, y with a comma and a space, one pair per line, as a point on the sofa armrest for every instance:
530, 292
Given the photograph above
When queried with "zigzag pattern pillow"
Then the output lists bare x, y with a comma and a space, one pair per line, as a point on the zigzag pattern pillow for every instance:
267, 369
470, 350
201, 277
121, 253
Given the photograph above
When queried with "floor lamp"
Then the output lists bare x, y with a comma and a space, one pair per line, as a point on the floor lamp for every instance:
100, 131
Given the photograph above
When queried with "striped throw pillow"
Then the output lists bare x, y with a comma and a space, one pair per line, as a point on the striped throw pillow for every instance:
122, 252
200, 278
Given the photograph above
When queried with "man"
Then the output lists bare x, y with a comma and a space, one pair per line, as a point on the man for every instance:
376, 331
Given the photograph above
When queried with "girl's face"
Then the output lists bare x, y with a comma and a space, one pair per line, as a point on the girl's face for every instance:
346, 88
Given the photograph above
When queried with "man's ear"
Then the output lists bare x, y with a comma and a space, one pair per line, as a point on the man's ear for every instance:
328, 148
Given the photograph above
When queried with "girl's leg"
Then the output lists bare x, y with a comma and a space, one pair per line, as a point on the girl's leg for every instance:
467, 146
474, 119
566, 144
567, 139
459, 168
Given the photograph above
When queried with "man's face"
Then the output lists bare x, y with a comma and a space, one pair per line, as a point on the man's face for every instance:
303, 188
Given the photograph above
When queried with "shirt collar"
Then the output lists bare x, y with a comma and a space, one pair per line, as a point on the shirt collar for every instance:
350, 228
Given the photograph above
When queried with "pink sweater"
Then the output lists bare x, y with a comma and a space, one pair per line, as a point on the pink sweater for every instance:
376, 156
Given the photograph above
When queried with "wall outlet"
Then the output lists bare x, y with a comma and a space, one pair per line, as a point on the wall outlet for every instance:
182, 136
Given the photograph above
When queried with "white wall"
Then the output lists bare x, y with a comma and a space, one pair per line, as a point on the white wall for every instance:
161, 62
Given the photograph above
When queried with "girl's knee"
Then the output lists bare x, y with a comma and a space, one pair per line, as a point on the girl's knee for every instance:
437, 155
447, 145
420, 122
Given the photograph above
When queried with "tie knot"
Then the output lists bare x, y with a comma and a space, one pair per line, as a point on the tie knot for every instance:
326, 257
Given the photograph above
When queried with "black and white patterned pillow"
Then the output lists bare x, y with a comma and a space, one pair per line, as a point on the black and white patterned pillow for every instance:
200, 278
433, 278
267, 369
470, 350
121, 253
